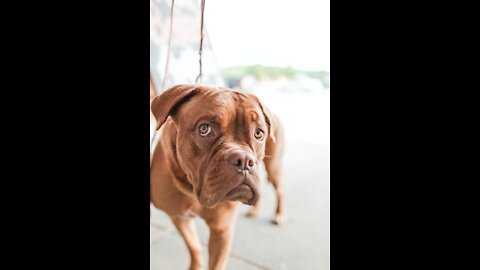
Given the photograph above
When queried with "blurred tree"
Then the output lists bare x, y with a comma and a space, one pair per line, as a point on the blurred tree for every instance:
269, 72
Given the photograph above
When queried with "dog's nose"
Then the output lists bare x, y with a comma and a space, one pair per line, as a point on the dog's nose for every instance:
242, 160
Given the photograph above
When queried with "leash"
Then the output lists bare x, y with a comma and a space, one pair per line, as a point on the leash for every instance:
200, 50
199, 77
167, 63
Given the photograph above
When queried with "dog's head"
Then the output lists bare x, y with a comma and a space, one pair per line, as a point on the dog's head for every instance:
221, 136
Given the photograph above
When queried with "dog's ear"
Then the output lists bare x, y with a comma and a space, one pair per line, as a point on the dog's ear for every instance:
169, 101
268, 118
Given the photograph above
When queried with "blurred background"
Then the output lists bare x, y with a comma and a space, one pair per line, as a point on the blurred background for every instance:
280, 51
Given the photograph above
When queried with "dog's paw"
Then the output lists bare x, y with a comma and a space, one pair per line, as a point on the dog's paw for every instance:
278, 219
252, 213
195, 266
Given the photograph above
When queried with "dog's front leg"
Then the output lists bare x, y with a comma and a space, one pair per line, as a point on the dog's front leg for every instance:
187, 229
221, 223
219, 248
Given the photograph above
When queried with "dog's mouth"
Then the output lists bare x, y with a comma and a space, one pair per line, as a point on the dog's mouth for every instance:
228, 185
244, 193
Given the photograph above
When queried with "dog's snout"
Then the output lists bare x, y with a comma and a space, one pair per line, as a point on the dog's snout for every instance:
242, 160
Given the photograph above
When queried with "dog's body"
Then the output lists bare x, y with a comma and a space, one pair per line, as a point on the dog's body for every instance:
207, 159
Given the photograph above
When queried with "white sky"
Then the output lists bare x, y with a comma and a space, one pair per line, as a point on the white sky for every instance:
270, 32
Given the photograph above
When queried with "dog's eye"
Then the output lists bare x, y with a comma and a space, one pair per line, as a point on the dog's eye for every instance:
259, 134
204, 129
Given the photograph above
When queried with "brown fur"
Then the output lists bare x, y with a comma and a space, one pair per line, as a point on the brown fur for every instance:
206, 176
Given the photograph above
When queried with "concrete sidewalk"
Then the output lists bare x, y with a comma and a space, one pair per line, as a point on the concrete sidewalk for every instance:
302, 242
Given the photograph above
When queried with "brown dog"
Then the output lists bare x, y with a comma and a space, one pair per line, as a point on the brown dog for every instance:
207, 160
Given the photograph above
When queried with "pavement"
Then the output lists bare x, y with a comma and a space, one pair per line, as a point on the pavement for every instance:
303, 241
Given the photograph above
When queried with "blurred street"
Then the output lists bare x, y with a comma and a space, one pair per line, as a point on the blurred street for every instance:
303, 241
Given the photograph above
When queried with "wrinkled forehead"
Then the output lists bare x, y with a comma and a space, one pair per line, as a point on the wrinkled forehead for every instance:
224, 107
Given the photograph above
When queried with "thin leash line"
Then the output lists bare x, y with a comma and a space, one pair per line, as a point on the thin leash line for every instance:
167, 63
200, 51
